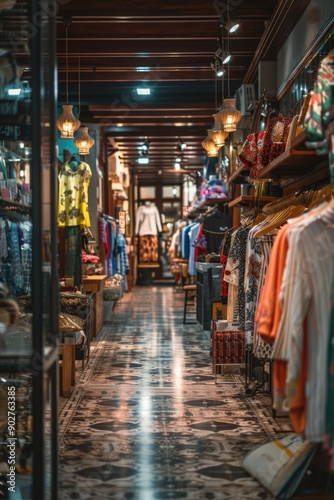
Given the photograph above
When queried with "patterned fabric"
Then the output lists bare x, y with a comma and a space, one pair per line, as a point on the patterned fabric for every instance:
251, 153
320, 112
123, 260
235, 273
319, 119
224, 250
73, 195
275, 130
148, 249
16, 259
251, 286
3, 241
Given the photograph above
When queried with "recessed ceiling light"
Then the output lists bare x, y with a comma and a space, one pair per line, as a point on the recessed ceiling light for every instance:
143, 69
143, 161
143, 91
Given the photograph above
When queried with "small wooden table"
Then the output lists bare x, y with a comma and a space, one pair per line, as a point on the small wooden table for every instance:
67, 349
96, 284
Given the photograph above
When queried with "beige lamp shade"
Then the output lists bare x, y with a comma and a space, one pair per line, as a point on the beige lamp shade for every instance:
84, 141
6, 4
210, 147
217, 133
67, 123
229, 115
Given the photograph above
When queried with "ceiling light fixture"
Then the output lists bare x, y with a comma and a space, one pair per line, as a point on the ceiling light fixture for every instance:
67, 124
177, 166
183, 145
144, 160
143, 91
226, 57
232, 25
145, 147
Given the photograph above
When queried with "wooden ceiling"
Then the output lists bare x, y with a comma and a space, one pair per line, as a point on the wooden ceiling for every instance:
115, 47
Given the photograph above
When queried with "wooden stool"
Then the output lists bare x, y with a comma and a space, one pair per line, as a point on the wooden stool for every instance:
188, 289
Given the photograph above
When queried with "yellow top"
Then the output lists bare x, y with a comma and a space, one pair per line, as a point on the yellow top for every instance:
73, 195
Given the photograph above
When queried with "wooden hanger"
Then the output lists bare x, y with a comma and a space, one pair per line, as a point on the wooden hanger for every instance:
322, 195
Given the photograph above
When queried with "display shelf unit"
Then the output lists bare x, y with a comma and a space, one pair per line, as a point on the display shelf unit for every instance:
246, 200
294, 162
29, 356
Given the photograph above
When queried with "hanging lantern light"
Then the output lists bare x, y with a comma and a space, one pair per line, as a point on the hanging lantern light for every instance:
67, 124
217, 133
210, 147
229, 115
84, 142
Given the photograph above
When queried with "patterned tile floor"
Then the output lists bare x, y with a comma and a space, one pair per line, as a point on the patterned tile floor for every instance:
146, 420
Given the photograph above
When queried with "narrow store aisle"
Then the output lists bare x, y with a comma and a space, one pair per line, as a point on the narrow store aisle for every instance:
146, 420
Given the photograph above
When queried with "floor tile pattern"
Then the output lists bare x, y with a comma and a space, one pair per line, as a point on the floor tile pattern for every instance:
146, 420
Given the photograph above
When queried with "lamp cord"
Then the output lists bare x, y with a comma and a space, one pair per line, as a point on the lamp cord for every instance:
66, 48
79, 91
228, 51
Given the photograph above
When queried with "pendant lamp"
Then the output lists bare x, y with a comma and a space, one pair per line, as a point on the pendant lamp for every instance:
210, 147
217, 133
67, 124
84, 141
229, 115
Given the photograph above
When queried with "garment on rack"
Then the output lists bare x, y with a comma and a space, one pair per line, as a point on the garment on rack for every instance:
193, 233
16, 256
304, 298
148, 249
122, 260
73, 195
148, 220
214, 228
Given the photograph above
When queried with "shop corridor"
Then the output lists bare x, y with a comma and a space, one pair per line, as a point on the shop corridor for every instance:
147, 421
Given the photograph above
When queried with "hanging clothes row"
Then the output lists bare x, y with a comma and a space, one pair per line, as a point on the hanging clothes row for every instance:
16, 255
113, 246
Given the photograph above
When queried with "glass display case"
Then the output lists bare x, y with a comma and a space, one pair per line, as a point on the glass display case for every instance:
29, 360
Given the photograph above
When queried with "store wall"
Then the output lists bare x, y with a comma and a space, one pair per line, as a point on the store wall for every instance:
315, 17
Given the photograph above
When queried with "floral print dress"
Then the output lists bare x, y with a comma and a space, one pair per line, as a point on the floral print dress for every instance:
73, 195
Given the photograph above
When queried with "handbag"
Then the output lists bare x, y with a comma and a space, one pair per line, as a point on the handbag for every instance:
280, 465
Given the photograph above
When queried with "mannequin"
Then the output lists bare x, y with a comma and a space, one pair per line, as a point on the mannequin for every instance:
148, 226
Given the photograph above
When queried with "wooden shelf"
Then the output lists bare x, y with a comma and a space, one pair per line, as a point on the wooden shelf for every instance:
205, 203
245, 200
240, 175
294, 162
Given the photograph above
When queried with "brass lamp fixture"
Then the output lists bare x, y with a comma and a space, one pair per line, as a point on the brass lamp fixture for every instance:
210, 147
67, 124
